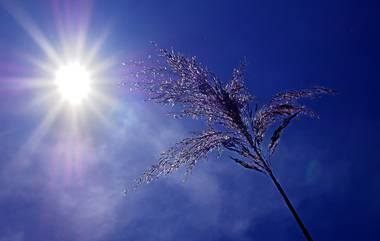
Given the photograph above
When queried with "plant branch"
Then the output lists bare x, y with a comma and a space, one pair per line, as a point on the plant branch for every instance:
291, 208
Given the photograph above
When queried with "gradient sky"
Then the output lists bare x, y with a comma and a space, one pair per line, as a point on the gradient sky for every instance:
63, 180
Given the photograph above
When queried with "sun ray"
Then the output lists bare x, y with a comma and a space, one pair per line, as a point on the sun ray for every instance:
39, 133
43, 100
38, 63
27, 23
94, 50
23, 83
105, 100
103, 65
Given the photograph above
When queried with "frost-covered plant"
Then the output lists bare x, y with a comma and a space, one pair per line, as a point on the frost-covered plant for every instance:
233, 124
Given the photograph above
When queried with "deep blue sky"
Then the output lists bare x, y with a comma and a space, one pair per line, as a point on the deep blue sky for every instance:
61, 185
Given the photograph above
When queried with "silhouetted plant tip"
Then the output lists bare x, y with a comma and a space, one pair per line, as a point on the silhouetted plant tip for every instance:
236, 123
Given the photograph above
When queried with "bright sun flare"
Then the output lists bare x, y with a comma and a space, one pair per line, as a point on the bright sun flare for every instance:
73, 82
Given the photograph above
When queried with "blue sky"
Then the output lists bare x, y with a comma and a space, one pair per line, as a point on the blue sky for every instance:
61, 180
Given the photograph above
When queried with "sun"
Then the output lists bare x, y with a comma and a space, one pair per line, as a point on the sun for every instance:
73, 82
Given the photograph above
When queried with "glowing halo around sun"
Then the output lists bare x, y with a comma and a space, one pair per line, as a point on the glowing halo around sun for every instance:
73, 81
68, 81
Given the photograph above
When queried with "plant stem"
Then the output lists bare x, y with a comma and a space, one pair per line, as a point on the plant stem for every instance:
290, 206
